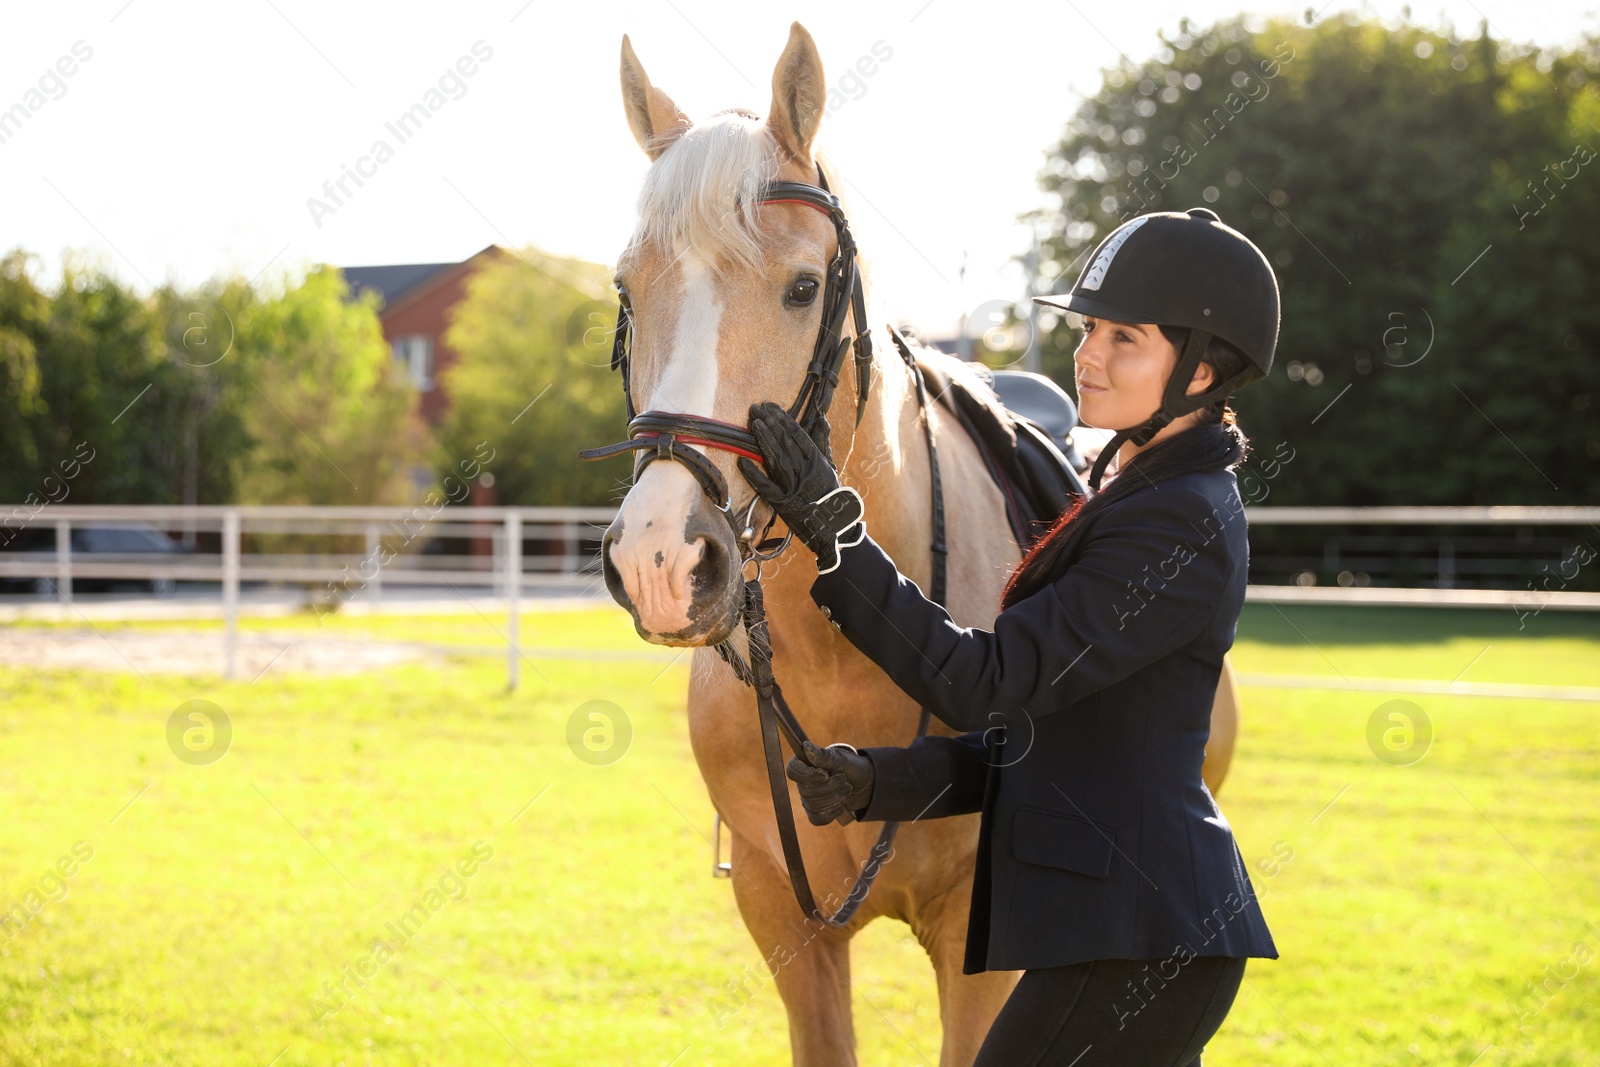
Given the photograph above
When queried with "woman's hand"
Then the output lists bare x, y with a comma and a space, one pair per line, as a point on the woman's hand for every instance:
834, 781
801, 484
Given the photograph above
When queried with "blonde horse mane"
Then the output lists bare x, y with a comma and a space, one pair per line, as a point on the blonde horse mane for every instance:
703, 192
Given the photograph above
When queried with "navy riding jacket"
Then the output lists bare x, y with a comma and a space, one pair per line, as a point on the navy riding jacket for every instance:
1099, 838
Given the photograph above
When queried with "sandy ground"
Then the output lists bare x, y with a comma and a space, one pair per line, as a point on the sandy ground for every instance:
107, 648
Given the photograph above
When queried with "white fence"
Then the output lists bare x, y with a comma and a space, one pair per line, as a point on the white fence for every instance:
1545, 587
395, 541
397, 545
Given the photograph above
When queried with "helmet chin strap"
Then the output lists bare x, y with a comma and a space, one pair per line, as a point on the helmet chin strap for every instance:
1175, 402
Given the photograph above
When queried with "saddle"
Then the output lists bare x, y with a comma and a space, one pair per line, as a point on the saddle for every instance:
1034, 477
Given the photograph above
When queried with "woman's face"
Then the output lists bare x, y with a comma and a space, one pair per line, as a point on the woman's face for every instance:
1122, 369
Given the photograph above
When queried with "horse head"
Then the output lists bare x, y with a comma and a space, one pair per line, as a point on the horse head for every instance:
723, 290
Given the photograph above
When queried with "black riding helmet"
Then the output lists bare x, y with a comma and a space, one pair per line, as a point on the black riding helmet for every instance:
1181, 268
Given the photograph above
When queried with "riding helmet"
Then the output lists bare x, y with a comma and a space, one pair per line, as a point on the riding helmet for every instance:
1181, 268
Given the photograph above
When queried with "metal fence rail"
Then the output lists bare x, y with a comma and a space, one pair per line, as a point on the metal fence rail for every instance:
1524, 557
1515, 515
394, 540
343, 553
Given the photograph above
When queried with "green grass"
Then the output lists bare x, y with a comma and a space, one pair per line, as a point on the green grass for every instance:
1551, 648
1416, 906
568, 629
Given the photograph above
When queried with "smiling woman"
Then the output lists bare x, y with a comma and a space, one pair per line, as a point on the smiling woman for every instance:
1104, 861
1122, 373
1122, 368
1189, 298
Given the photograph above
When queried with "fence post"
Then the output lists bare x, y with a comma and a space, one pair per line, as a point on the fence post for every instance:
513, 579
230, 588
64, 563
375, 587
497, 560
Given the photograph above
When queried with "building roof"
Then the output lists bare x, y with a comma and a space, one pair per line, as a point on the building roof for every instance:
391, 282
396, 283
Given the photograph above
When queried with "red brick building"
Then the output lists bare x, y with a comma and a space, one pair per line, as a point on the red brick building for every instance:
417, 298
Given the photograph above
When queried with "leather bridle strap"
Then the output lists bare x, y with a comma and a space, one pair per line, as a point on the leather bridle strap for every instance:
938, 547
776, 717
842, 295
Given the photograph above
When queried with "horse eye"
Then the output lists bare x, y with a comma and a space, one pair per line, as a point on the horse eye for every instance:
801, 293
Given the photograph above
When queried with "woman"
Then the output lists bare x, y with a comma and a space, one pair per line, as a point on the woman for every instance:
1105, 870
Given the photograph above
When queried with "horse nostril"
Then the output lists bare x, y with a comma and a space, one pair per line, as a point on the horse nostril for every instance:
710, 575
608, 569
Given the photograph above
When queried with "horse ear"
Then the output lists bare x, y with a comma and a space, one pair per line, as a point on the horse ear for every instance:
655, 120
799, 93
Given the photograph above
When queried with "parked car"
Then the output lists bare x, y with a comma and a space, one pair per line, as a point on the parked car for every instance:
132, 542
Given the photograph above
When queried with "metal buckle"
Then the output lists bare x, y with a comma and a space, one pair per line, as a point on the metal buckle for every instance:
747, 532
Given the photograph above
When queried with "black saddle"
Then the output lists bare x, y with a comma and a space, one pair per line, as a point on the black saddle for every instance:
1036, 479
1046, 403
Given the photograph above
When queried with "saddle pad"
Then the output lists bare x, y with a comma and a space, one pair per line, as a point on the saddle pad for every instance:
1036, 480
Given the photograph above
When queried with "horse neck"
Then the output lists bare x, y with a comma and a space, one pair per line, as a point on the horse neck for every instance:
887, 461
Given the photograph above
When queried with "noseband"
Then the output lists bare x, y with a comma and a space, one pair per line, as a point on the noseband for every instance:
670, 435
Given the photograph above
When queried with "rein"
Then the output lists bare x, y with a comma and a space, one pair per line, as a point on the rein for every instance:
668, 435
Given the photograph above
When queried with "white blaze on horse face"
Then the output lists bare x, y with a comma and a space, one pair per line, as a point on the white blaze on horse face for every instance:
688, 383
656, 557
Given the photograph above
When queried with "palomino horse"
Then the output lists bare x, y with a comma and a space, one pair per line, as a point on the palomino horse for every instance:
718, 286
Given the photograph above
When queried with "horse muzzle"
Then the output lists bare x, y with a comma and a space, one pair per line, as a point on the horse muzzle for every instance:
680, 581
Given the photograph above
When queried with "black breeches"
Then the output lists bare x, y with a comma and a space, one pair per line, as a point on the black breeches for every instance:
1127, 1013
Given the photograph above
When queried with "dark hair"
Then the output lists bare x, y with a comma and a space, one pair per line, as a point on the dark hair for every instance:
1205, 447
1226, 361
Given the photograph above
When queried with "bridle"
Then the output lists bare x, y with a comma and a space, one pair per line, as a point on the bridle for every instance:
656, 435
668, 434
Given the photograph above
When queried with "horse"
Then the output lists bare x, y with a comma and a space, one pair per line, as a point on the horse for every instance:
720, 289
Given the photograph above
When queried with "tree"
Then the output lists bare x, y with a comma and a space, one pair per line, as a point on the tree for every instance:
24, 322
216, 395
530, 334
90, 394
1378, 170
330, 418
207, 435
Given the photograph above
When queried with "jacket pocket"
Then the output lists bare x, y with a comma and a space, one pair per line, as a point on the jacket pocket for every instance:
1056, 839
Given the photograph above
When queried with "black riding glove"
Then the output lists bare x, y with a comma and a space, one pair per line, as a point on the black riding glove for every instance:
836, 782
802, 486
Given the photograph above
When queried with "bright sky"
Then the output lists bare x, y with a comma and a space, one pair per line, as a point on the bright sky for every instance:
189, 140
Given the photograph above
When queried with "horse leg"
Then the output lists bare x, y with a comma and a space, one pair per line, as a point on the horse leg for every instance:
809, 961
968, 1003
